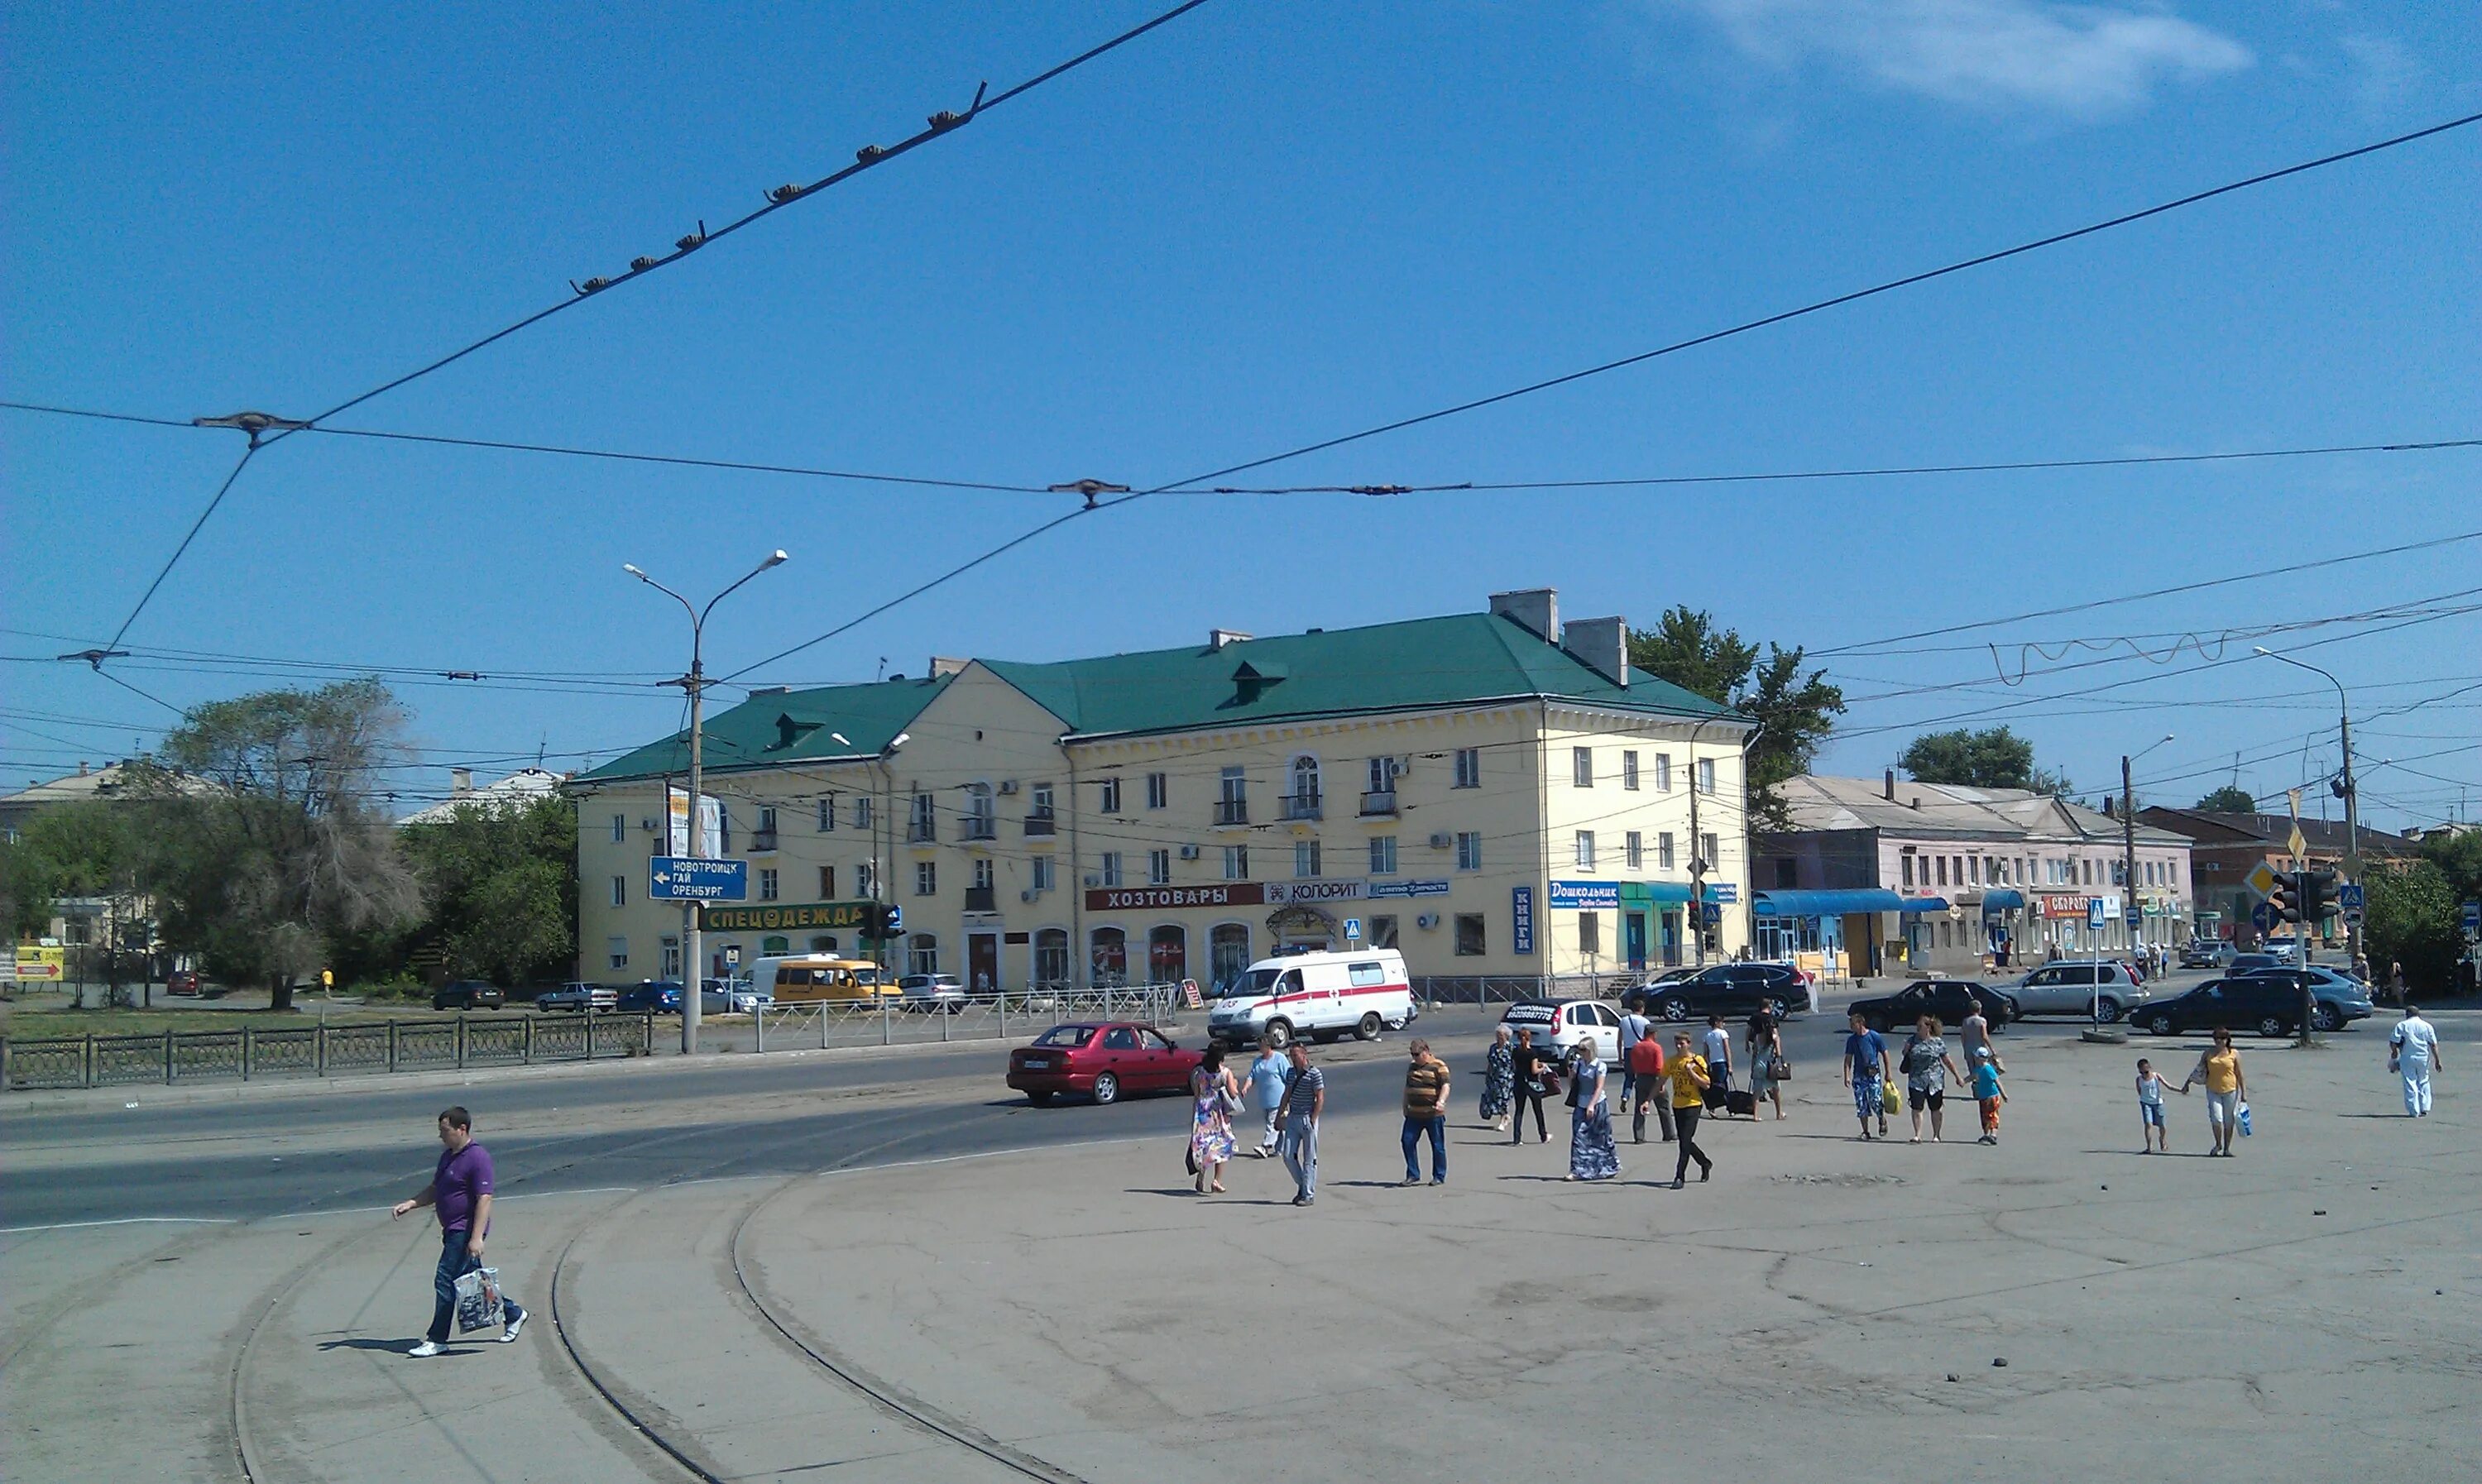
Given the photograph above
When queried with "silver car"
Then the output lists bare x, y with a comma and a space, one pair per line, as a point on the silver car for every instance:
2105, 990
933, 993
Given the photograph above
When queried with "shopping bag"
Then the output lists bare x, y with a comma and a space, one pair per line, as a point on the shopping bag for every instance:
478, 1299
2242, 1113
1890, 1100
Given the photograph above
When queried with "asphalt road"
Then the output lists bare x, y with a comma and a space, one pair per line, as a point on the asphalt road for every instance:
250, 1158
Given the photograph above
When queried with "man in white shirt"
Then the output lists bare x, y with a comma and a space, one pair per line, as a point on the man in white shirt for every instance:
1634, 1026
1716, 1045
2412, 1052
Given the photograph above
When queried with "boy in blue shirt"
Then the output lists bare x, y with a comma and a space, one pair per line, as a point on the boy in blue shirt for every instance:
1988, 1091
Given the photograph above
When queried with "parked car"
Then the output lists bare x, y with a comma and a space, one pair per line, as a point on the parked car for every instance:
468, 995
2243, 963
2206, 953
579, 996
1321, 995
2266, 1005
181, 981
1099, 1060
1942, 997
1672, 976
661, 995
2104, 991
1734, 990
2336, 997
933, 993
729, 997
1565, 1023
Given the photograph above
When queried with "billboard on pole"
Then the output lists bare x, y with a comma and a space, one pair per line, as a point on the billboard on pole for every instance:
710, 824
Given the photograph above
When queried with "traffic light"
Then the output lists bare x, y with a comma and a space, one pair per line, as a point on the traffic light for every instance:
881, 922
2314, 894
2281, 901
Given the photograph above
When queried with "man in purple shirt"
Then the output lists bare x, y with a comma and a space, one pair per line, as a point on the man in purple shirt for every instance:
460, 1188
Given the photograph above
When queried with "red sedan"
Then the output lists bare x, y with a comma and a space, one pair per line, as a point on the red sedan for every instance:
1099, 1060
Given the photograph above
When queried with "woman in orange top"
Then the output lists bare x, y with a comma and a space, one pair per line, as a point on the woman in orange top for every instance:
2226, 1089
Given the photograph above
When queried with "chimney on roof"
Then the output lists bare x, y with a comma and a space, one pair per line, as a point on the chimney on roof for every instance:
81, 767
1538, 609
1891, 786
1218, 637
941, 665
2107, 802
460, 783
1601, 643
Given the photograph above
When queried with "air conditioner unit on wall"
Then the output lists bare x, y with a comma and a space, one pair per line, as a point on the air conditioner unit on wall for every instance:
1008, 785
1428, 920
647, 825
1027, 895
1441, 840
1189, 852
1094, 878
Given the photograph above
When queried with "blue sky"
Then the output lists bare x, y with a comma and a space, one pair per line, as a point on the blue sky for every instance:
1263, 224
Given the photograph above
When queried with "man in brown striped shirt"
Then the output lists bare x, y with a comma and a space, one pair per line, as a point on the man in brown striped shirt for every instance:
1426, 1111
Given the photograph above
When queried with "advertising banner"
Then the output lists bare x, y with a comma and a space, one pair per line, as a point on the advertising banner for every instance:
1229, 894
1585, 895
1306, 893
785, 919
1522, 905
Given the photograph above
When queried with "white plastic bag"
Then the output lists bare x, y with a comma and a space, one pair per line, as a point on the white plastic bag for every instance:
478, 1300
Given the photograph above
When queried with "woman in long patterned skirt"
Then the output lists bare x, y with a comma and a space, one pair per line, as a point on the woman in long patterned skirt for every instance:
1213, 1096
1591, 1153
1498, 1081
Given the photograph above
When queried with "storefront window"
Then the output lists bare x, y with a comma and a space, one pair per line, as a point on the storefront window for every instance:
1108, 960
1228, 949
1167, 955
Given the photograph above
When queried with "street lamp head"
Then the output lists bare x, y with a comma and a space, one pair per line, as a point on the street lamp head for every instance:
631, 568
2259, 648
841, 739
781, 557
899, 740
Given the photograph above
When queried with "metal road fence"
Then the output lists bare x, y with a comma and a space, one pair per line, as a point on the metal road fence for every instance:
958, 1018
250, 1052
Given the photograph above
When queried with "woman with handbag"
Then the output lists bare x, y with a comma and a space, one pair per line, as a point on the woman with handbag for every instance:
1213, 1097
1537, 1074
1767, 1064
1591, 1153
1499, 1079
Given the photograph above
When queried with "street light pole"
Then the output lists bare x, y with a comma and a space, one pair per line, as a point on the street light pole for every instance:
694, 979
1697, 862
2351, 862
2131, 918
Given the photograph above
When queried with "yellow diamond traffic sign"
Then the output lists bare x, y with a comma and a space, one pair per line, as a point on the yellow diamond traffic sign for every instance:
2260, 879
2300, 847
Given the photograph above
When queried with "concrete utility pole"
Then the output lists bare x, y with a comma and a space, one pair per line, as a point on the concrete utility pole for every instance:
2131, 917
694, 979
2352, 862
1697, 862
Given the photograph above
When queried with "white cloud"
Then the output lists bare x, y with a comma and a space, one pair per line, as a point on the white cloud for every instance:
2382, 73
2070, 58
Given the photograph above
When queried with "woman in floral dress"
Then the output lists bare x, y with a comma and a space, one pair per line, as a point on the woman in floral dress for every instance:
1592, 1154
1498, 1081
1213, 1096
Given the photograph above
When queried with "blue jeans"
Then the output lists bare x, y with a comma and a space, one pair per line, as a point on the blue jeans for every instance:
1437, 1126
455, 1262
1301, 1155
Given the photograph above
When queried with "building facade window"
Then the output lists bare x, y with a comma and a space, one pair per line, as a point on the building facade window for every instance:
1158, 790
1237, 862
1581, 766
768, 890
619, 828
1109, 867
919, 828
922, 954
1232, 804
982, 814
1302, 802
1666, 859
1629, 771
827, 884
1159, 867
1905, 867
615, 952
620, 890
1663, 772
1585, 850
827, 814
1041, 869
1469, 935
1940, 865
1051, 958
821, 942
1111, 804
866, 881
985, 873
1469, 767
1710, 851
861, 813
1469, 850
926, 878
1590, 932
672, 957
1228, 953
1634, 850
766, 824
1039, 804
1107, 957
1167, 954
1383, 855
1305, 859
1706, 774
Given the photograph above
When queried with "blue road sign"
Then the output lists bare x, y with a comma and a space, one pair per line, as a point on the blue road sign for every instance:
2094, 914
2262, 918
681, 879
1353, 929
2348, 896
2473, 916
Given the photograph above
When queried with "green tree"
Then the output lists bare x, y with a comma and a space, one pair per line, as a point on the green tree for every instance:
96, 849
1994, 757
2410, 918
269, 847
1793, 710
2229, 800
502, 884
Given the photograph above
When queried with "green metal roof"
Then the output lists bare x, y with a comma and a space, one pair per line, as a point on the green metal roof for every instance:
786, 728
1420, 663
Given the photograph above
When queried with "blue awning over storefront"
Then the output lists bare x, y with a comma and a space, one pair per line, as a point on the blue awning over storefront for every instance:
1925, 904
1666, 891
1827, 904
2001, 900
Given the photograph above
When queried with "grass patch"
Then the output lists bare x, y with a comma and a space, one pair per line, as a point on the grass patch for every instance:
29, 1023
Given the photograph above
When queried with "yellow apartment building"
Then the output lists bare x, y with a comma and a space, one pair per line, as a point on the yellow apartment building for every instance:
1494, 794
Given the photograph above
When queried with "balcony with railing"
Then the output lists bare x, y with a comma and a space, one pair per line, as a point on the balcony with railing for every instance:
1041, 827
982, 899
920, 832
1379, 803
761, 841
1232, 811
974, 828
1299, 805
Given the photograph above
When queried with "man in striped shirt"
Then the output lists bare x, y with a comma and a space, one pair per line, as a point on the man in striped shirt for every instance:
1304, 1099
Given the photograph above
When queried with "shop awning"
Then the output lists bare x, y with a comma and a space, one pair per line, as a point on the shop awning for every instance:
1925, 904
2001, 900
1827, 904
1662, 891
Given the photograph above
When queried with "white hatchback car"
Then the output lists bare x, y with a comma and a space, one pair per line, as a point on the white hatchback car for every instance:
1565, 1023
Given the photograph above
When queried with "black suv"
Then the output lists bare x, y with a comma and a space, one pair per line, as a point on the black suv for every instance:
2270, 1007
1942, 997
468, 995
1729, 990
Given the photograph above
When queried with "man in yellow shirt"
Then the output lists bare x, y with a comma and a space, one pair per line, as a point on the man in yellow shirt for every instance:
1686, 1070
